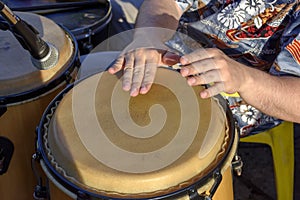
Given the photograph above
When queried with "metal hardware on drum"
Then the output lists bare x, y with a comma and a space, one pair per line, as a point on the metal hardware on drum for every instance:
193, 194
88, 46
217, 176
6, 152
40, 192
237, 165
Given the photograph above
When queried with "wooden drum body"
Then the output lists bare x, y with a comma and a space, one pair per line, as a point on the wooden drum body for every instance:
97, 142
25, 92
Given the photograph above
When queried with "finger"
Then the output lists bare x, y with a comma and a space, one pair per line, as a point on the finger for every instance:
117, 66
170, 58
199, 54
198, 67
138, 74
128, 72
205, 78
149, 76
215, 89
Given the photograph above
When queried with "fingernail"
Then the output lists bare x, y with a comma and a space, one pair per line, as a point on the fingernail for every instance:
126, 87
184, 60
191, 81
133, 92
184, 72
143, 89
111, 70
204, 94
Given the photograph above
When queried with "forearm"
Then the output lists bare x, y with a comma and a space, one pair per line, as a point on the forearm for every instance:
158, 13
274, 96
161, 18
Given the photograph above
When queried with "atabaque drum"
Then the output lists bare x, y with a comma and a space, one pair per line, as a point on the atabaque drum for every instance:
97, 142
86, 19
25, 92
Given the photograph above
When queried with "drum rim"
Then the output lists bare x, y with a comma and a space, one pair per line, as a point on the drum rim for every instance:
35, 93
81, 33
77, 190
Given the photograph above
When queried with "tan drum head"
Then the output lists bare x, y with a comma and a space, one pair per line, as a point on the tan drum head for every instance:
17, 73
111, 144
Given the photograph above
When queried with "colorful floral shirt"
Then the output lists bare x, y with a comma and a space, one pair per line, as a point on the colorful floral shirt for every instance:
259, 33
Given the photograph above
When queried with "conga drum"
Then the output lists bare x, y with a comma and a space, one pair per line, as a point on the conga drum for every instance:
86, 19
97, 142
25, 92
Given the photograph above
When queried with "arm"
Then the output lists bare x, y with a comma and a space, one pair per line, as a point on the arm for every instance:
273, 95
156, 22
157, 13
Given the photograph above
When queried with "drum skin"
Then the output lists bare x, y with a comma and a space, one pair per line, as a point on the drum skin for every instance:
23, 90
18, 74
68, 150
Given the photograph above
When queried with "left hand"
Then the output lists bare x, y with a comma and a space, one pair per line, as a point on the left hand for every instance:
139, 69
207, 66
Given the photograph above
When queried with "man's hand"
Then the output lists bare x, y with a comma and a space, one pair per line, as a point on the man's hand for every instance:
212, 66
139, 67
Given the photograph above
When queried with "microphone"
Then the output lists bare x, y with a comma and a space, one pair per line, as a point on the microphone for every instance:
43, 55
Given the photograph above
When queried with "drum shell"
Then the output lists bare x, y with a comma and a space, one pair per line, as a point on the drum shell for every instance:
19, 122
225, 188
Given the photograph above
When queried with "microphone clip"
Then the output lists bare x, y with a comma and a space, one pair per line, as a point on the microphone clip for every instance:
44, 55
28, 37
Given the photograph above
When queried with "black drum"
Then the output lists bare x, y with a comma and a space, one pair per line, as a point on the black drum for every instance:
86, 19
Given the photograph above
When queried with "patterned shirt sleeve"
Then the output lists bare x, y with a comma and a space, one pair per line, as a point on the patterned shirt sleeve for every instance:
288, 60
